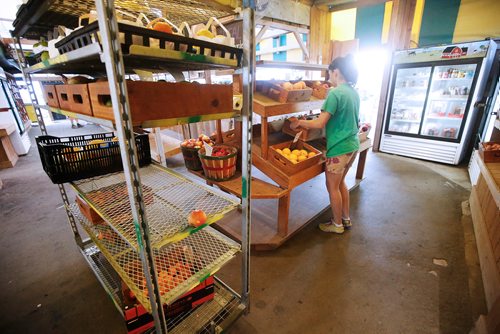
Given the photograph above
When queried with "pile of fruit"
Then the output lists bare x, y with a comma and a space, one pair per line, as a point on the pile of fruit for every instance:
295, 156
198, 142
319, 84
491, 146
220, 152
296, 86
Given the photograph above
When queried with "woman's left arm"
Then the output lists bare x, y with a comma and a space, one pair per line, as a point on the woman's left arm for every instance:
318, 123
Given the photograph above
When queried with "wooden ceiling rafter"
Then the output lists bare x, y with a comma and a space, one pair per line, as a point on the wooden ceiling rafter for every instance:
338, 5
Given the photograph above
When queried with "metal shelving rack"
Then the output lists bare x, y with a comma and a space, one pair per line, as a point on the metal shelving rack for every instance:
108, 254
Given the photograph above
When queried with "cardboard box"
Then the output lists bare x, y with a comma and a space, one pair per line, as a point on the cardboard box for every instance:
163, 100
137, 319
50, 95
79, 99
88, 212
286, 165
63, 96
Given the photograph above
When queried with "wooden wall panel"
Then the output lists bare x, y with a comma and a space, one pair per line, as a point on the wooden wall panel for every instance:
320, 34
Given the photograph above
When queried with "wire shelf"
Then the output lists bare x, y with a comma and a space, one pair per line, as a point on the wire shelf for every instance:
169, 199
225, 306
180, 267
105, 273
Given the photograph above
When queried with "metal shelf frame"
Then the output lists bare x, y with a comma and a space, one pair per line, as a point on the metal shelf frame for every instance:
227, 306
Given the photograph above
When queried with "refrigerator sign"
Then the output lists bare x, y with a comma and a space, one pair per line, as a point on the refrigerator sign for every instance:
453, 52
442, 53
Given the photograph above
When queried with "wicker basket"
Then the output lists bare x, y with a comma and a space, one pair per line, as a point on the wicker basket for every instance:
191, 158
219, 168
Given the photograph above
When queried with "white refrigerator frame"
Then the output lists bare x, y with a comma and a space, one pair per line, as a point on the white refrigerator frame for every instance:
437, 150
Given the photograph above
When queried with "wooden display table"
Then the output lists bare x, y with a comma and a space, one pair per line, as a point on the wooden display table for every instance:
270, 229
8, 156
485, 208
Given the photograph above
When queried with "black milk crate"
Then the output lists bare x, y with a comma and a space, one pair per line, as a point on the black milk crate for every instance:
90, 34
67, 159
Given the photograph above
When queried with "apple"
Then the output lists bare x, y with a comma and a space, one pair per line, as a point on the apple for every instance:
197, 218
326, 86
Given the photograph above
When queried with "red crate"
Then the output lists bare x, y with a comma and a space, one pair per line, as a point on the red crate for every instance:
137, 319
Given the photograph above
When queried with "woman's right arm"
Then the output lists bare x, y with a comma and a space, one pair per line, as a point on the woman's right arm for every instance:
317, 123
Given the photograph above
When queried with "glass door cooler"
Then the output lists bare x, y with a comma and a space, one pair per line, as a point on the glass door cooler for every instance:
430, 107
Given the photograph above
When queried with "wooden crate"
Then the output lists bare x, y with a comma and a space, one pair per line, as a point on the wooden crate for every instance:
286, 165
278, 93
80, 99
320, 92
489, 155
50, 95
63, 96
163, 100
307, 134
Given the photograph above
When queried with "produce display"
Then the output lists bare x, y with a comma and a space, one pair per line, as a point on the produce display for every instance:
296, 86
220, 152
295, 156
197, 143
491, 146
175, 268
318, 84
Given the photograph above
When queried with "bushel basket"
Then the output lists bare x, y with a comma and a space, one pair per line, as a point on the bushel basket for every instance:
191, 158
67, 159
219, 168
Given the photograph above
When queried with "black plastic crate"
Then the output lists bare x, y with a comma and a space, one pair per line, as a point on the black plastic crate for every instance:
67, 159
89, 34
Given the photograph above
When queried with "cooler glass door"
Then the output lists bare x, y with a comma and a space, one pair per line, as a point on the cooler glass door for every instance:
447, 102
408, 100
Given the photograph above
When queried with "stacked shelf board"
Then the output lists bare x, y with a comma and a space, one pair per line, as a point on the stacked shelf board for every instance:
168, 198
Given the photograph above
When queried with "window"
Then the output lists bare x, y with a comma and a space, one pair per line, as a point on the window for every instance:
275, 42
283, 40
279, 56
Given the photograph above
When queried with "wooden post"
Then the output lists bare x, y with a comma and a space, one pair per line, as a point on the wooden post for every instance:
403, 12
283, 211
264, 144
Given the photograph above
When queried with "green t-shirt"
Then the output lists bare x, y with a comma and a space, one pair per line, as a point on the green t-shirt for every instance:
342, 128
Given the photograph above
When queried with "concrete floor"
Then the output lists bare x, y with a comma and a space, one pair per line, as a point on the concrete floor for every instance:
377, 278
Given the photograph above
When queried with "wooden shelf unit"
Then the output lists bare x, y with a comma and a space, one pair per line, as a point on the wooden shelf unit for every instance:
485, 209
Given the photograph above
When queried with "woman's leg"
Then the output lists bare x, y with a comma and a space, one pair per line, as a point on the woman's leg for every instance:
336, 201
344, 191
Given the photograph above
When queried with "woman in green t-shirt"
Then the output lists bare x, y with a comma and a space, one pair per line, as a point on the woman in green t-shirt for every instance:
340, 116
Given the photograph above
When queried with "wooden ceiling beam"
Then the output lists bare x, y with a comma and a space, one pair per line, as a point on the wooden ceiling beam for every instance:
335, 6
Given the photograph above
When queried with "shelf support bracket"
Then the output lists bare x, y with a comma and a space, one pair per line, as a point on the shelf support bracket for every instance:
246, 144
